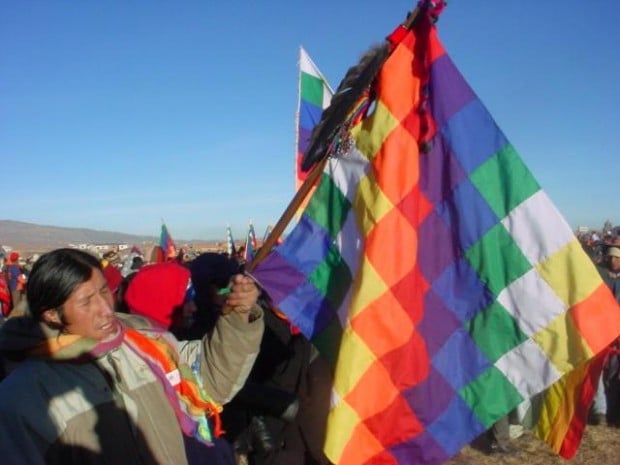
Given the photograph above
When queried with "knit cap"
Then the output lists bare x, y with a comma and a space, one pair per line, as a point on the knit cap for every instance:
156, 290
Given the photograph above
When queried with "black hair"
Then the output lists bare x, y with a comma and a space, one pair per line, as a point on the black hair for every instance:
120, 304
137, 262
54, 277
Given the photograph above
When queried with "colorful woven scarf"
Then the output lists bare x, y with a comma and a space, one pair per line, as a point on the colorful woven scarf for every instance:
191, 405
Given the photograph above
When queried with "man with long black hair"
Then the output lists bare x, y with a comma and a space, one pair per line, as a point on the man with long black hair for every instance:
90, 386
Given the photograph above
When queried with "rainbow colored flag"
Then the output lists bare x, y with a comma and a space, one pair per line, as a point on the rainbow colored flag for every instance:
437, 277
314, 96
166, 243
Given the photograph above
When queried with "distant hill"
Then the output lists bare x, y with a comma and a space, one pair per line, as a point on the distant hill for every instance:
34, 237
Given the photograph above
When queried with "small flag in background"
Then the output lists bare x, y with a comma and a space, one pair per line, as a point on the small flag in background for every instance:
267, 232
314, 96
437, 277
250, 244
230, 243
252, 236
166, 243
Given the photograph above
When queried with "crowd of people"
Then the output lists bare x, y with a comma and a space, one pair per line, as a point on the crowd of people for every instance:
139, 359
605, 252
150, 360
13, 280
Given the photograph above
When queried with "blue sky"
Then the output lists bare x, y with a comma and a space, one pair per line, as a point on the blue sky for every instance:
117, 114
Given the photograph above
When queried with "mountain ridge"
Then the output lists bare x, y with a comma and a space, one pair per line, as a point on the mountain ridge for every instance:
35, 237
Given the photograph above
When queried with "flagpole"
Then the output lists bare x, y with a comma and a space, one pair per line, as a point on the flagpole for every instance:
305, 188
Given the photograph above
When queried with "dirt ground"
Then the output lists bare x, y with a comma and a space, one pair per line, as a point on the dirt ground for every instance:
600, 446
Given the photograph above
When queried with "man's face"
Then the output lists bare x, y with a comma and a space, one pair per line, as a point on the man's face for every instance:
614, 264
89, 310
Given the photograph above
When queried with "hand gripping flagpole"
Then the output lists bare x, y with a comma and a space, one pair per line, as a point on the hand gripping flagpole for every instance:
433, 8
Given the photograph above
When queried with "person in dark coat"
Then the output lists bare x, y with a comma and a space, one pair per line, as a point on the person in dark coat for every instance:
211, 273
606, 405
279, 416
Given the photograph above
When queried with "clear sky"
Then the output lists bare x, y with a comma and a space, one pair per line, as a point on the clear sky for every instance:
117, 114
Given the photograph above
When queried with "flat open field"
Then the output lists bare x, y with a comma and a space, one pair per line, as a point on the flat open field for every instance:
600, 446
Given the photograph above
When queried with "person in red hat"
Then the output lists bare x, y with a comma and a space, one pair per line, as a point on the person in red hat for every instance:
14, 278
164, 293
5, 298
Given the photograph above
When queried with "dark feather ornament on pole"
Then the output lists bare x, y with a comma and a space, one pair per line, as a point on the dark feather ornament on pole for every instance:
356, 82
351, 88
336, 119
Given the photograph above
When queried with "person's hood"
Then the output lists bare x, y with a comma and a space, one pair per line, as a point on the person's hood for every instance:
22, 334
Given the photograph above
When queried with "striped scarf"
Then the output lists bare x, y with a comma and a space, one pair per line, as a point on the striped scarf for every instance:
188, 399
192, 406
